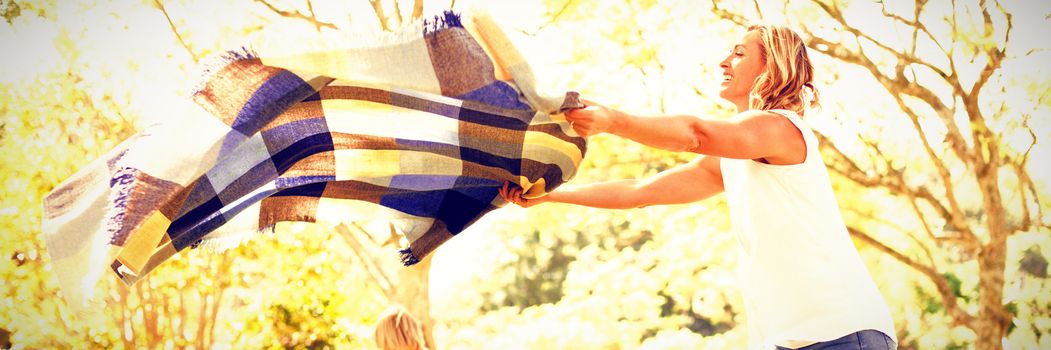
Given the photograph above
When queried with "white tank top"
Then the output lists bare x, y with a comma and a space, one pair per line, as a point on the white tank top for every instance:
801, 276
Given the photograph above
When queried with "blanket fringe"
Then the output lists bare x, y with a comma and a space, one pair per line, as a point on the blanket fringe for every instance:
214, 63
407, 257
404, 34
121, 185
408, 32
219, 245
448, 19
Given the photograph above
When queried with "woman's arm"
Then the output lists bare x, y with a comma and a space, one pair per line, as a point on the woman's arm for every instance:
752, 134
699, 179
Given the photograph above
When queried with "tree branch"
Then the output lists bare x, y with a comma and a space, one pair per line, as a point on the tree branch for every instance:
758, 11
310, 8
945, 291
957, 216
984, 140
397, 13
372, 267
126, 335
727, 15
995, 55
202, 314
897, 227
218, 291
149, 318
856, 174
967, 238
377, 7
552, 20
175, 31
299, 15
898, 84
915, 24
907, 58
895, 86
417, 9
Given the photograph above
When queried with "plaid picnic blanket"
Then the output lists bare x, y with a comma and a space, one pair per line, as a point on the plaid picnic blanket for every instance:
416, 131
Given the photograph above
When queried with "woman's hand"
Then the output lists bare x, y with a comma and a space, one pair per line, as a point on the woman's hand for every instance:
593, 119
514, 195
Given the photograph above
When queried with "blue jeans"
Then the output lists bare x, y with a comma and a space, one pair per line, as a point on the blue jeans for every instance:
864, 340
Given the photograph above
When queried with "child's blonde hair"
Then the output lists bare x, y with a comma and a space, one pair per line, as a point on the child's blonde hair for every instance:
398, 330
787, 82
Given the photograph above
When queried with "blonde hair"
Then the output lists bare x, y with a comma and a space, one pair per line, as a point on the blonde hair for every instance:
787, 81
398, 330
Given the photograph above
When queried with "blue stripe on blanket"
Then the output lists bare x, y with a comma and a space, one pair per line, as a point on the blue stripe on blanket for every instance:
271, 99
498, 94
200, 192
483, 118
307, 138
193, 235
461, 207
303, 148
280, 137
284, 183
185, 221
416, 103
512, 165
552, 176
313, 189
423, 182
418, 203
414, 195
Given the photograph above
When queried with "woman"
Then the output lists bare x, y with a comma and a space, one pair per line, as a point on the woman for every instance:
803, 282
396, 329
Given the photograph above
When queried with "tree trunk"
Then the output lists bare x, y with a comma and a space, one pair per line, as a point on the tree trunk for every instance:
993, 318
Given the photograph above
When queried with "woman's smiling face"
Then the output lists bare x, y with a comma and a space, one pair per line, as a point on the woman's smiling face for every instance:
740, 69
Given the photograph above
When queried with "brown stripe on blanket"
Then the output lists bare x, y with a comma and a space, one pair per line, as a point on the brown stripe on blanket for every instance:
171, 208
198, 192
229, 89
430, 240
357, 141
424, 105
317, 164
475, 170
485, 133
340, 92
298, 111
459, 62
349, 189
498, 148
555, 130
360, 93
276, 209
451, 151
136, 194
